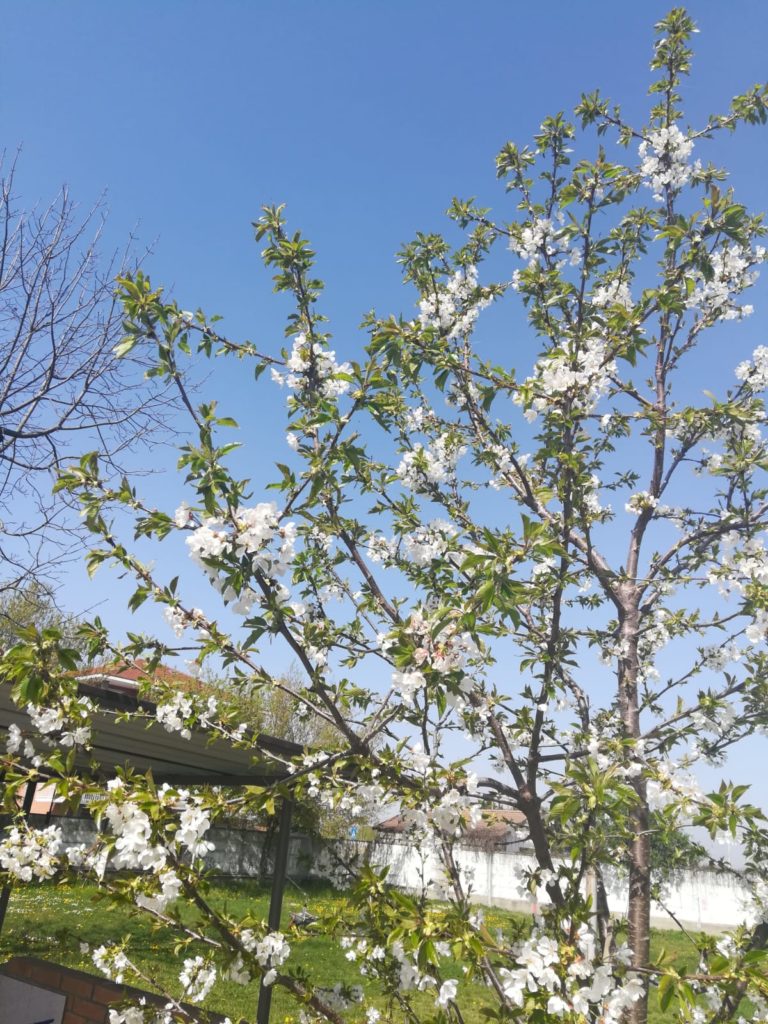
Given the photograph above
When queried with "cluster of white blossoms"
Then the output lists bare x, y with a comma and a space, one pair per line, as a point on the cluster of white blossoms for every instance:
504, 466
254, 531
174, 714
369, 957
380, 549
613, 293
588, 988
134, 1015
672, 785
454, 813
194, 823
420, 546
197, 978
168, 892
133, 828
717, 656
134, 848
407, 684
176, 619
539, 238
754, 371
641, 501
427, 543
591, 500
27, 853
271, 952
582, 375
144, 1014
111, 961
419, 418
411, 976
605, 757
312, 365
454, 307
421, 467
731, 273
743, 560
719, 719
67, 724
445, 652
664, 155
17, 742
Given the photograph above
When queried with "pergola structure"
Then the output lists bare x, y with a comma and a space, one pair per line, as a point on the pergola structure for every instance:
143, 745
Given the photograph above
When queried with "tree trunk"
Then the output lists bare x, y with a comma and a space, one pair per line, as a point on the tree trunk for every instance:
639, 903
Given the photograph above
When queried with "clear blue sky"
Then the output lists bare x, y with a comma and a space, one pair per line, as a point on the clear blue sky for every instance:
364, 117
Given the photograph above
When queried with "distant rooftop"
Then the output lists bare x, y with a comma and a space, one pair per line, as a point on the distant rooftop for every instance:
493, 830
125, 676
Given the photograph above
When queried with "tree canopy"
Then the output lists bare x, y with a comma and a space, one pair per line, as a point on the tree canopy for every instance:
527, 572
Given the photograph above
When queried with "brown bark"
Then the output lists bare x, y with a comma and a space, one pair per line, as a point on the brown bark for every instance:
639, 901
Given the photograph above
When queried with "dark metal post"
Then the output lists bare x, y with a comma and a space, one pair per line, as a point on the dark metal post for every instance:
276, 897
26, 808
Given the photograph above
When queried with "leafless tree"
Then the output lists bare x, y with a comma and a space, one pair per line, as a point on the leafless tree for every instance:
62, 389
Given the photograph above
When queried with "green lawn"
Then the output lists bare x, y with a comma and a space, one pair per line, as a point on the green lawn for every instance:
51, 922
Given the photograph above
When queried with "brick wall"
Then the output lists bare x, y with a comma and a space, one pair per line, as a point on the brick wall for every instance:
88, 998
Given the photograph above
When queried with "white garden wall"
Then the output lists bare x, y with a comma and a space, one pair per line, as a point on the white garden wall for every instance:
703, 900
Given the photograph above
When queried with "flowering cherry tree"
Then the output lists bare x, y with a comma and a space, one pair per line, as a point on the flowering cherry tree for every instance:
532, 578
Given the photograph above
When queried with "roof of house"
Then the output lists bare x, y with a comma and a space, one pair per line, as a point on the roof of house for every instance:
142, 744
127, 675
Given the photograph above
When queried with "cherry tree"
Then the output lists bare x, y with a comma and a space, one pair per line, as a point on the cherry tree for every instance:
521, 572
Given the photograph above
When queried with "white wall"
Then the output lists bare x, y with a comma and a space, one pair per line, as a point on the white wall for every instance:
702, 900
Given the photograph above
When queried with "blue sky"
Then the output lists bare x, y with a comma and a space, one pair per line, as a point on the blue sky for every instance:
365, 118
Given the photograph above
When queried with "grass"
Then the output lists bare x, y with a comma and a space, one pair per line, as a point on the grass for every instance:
51, 922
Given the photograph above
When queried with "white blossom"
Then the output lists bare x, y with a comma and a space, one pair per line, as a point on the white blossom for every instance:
730, 272
664, 160
614, 293
197, 978
754, 372
183, 515
422, 466
455, 306
447, 992
640, 502
311, 365
172, 715
27, 853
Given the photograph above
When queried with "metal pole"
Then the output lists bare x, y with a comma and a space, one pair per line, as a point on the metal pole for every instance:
26, 808
276, 897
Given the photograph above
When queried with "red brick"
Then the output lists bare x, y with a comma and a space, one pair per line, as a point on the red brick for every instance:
93, 1011
49, 976
26, 968
17, 969
77, 985
106, 993
74, 1018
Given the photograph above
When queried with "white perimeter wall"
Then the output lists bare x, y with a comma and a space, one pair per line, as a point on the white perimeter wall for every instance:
703, 900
